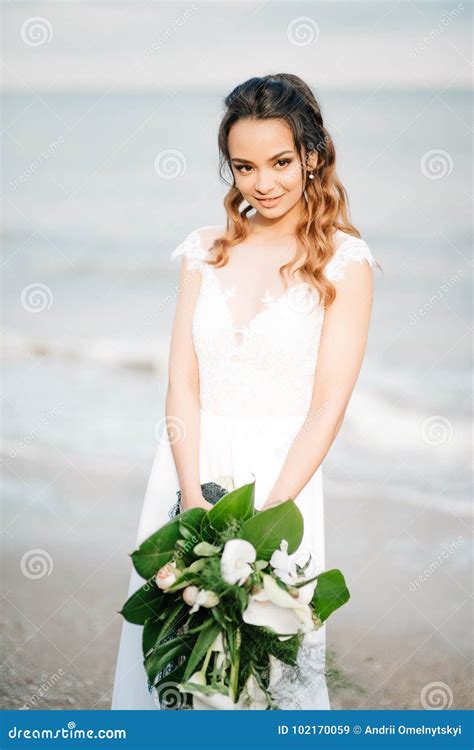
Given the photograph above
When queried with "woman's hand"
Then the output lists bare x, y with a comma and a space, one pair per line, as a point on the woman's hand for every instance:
271, 503
197, 502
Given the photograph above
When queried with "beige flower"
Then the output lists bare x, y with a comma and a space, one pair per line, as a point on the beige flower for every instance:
199, 598
166, 575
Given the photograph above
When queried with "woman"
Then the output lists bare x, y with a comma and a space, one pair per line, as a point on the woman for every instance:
284, 286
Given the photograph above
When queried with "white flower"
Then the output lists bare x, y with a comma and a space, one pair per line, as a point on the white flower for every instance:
166, 575
280, 561
252, 697
277, 610
199, 598
213, 702
235, 560
190, 594
218, 646
285, 565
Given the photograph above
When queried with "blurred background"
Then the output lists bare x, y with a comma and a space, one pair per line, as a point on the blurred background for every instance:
110, 116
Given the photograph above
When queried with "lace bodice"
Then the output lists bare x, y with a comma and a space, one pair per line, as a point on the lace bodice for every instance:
263, 365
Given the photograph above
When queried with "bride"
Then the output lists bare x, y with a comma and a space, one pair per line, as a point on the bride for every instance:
267, 343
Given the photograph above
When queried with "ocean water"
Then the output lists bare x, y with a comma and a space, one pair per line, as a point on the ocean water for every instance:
89, 289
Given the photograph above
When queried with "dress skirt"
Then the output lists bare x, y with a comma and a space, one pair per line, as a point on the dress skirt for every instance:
239, 449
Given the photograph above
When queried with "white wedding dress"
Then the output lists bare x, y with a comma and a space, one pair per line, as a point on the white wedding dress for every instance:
256, 373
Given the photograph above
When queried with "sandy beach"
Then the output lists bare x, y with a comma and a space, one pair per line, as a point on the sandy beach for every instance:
60, 620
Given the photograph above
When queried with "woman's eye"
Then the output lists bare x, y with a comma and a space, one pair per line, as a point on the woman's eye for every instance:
241, 167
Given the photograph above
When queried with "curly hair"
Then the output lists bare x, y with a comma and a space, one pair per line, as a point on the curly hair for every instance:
289, 98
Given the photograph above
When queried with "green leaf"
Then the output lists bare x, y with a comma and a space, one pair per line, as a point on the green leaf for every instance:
219, 617
191, 521
168, 651
143, 604
204, 549
204, 641
186, 579
173, 621
236, 505
196, 566
267, 529
330, 594
151, 631
159, 548
231, 639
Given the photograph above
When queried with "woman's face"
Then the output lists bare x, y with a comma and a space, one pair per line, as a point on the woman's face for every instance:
266, 166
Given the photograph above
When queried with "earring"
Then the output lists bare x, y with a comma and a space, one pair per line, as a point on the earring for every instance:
311, 176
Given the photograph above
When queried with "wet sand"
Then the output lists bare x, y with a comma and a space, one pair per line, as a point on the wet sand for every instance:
396, 637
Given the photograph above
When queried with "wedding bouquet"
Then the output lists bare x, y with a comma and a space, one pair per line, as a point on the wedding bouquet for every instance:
223, 594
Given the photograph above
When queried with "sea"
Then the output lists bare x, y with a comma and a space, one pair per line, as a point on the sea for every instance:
98, 190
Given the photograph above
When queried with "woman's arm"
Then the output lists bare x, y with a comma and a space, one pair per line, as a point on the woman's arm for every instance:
341, 351
182, 398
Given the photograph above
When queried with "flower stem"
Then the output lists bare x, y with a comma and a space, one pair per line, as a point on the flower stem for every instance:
234, 670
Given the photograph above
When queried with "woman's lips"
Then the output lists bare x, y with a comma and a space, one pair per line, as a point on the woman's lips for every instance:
267, 202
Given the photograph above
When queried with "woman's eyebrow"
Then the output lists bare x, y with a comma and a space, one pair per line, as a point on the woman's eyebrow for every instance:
272, 158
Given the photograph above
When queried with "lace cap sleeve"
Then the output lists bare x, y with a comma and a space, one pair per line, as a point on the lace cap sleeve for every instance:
351, 248
192, 249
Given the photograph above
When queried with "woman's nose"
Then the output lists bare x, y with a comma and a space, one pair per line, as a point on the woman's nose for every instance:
264, 183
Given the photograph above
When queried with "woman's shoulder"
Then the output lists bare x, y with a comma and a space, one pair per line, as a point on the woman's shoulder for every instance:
195, 245
347, 248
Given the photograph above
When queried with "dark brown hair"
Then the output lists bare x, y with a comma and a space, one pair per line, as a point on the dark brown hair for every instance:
288, 97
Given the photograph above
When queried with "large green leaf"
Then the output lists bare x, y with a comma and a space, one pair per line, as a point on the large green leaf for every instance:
191, 520
330, 594
174, 619
151, 631
143, 604
267, 529
158, 548
236, 505
204, 641
168, 651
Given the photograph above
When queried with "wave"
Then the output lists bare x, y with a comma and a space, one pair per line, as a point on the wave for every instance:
383, 423
399, 493
146, 355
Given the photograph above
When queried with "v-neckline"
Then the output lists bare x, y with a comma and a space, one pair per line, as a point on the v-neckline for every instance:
223, 293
